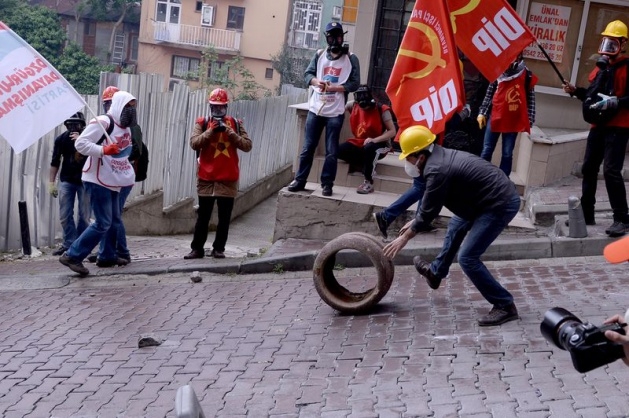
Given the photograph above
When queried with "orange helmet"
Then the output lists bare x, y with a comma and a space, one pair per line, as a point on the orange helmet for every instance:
218, 97
108, 93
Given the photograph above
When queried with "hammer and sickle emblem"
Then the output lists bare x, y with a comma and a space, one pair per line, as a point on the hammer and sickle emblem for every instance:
463, 11
433, 60
513, 95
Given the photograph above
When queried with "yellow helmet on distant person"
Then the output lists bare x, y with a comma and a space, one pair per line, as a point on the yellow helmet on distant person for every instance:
615, 29
414, 139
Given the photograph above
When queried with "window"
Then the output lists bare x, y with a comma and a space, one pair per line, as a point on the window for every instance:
207, 15
306, 24
213, 71
199, 6
235, 18
185, 67
133, 47
168, 11
350, 9
89, 28
268, 74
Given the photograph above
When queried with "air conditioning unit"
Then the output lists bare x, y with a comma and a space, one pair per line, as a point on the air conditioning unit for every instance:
208, 13
337, 12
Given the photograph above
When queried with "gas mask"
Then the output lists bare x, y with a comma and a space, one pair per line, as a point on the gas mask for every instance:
128, 117
335, 41
75, 127
609, 46
364, 99
411, 169
218, 111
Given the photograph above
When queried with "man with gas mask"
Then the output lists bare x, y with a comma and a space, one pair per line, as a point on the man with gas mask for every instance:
507, 109
373, 128
70, 189
483, 201
606, 107
105, 172
216, 140
331, 75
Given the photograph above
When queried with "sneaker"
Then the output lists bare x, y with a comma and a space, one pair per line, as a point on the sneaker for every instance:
127, 258
498, 316
365, 188
110, 263
92, 258
60, 251
73, 265
194, 254
617, 229
423, 268
296, 186
217, 254
382, 223
326, 190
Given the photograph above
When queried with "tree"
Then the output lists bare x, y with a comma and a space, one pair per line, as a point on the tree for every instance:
291, 63
230, 75
40, 27
102, 10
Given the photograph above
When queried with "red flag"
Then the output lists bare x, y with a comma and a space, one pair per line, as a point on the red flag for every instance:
426, 85
490, 33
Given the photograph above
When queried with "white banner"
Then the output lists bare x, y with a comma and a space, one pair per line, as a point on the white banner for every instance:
549, 24
34, 97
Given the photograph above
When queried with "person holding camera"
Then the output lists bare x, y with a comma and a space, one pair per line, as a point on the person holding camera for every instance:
617, 337
70, 188
216, 141
331, 75
606, 107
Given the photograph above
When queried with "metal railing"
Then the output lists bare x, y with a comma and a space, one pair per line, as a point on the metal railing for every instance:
219, 39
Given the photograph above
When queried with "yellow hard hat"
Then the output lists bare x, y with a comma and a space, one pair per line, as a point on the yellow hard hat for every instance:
414, 139
615, 29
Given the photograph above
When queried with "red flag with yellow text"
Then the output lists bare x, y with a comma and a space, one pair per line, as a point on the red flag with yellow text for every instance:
490, 33
426, 85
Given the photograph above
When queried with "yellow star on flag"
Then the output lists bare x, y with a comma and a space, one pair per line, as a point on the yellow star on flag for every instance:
221, 147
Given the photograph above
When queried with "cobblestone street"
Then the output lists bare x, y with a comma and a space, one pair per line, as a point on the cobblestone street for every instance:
266, 345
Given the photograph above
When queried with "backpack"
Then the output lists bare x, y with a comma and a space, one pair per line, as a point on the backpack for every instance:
141, 165
110, 129
603, 83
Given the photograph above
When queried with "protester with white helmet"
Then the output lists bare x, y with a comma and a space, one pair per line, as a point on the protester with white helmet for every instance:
483, 201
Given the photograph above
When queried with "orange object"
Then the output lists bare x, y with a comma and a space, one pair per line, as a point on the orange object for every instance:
617, 251
108, 93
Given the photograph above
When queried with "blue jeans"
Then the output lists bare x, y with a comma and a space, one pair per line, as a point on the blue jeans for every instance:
314, 128
106, 209
68, 192
480, 232
121, 235
413, 195
508, 144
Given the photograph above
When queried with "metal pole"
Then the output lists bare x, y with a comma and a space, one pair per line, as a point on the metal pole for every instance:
26, 233
563, 80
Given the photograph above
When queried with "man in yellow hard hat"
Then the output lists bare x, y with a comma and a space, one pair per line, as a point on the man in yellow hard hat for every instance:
606, 107
483, 201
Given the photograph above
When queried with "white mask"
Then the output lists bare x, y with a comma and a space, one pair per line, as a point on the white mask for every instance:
411, 169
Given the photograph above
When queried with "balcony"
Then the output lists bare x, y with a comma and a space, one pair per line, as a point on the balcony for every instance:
197, 36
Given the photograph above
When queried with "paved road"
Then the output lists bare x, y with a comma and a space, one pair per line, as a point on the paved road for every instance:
266, 345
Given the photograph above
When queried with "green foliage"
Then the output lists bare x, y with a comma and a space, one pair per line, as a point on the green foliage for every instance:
278, 268
112, 9
41, 28
231, 75
291, 63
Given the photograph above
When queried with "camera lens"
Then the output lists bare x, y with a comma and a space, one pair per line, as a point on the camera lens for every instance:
558, 326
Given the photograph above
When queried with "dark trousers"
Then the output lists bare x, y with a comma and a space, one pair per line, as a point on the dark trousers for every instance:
206, 205
364, 157
608, 146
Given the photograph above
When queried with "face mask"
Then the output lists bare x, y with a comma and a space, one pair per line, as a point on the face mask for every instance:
218, 111
128, 117
609, 46
334, 43
411, 169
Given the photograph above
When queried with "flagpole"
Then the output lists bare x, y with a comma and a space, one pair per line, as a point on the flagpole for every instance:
561, 77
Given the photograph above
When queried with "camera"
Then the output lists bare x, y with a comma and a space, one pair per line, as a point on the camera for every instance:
586, 343
221, 125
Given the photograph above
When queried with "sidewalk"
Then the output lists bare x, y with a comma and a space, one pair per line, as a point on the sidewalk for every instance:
250, 249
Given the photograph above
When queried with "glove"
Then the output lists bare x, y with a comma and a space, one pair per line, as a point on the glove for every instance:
482, 121
52, 189
608, 102
111, 149
465, 112
213, 125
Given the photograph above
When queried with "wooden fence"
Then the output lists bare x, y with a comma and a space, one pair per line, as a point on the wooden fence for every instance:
166, 119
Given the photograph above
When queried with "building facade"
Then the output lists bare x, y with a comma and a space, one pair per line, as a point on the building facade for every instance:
174, 34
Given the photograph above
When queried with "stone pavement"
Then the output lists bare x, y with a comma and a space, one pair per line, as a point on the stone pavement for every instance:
266, 346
